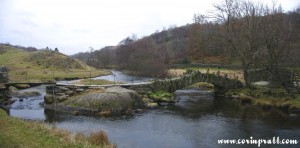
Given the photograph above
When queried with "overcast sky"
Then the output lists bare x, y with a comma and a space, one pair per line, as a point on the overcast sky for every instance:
75, 25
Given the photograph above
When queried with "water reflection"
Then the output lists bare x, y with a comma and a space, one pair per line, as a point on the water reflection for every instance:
167, 128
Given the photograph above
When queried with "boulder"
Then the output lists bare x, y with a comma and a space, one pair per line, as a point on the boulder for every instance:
53, 89
261, 83
63, 88
151, 105
22, 86
60, 94
2, 86
69, 92
13, 89
49, 99
62, 98
139, 111
79, 90
105, 113
117, 100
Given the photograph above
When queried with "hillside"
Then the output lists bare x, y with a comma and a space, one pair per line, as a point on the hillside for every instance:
43, 65
200, 42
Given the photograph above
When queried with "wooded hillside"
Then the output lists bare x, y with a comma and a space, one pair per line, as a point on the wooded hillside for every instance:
205, 41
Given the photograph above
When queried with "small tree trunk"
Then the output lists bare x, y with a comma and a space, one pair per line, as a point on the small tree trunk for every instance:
245, 73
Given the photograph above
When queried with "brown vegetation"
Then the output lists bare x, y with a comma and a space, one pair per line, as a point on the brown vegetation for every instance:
99, 138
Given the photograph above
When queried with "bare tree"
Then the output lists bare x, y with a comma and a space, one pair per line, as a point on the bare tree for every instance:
242, 24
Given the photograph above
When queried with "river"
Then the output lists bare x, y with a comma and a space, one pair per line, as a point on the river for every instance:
116, 76
198, 125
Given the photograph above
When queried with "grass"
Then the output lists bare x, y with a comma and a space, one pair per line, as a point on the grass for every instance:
201, 85
43, 66
267, 98
162, 96
19, 133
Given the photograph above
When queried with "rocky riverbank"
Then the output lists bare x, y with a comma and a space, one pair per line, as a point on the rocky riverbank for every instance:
266, 97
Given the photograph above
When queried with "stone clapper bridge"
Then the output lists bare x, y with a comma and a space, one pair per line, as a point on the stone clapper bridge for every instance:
171, 85
168, 85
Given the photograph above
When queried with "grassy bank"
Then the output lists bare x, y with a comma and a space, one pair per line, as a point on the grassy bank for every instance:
43, 66
267, 97
19, 133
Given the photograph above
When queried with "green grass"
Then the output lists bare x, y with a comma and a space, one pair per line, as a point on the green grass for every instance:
43, 66
201, 85
162, 96
19, 133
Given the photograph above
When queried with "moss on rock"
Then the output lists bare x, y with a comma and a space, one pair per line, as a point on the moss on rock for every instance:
162, 96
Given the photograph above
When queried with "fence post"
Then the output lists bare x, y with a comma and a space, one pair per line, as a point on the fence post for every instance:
114, 78
53, 75
26, 79
90, 77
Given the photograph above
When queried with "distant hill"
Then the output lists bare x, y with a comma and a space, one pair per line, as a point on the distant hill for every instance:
102, 58
191, 43
42, 65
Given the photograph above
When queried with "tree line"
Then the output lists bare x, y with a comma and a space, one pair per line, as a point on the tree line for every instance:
251, 34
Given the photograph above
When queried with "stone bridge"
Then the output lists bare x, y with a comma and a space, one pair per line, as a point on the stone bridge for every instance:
171, 85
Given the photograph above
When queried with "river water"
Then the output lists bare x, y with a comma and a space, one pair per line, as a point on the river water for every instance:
199, 122
116, 76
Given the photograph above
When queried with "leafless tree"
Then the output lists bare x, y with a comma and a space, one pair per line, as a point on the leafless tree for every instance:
252, 29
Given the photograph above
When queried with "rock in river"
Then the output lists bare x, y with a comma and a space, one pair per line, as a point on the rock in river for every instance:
114, 99
26, 94
49, 99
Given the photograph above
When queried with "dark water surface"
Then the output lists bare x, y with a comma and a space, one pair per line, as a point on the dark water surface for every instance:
198, 125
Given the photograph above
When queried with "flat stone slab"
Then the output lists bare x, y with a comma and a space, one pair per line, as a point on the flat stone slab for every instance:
261, 83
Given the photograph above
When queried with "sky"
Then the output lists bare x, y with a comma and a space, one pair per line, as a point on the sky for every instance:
74, 26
